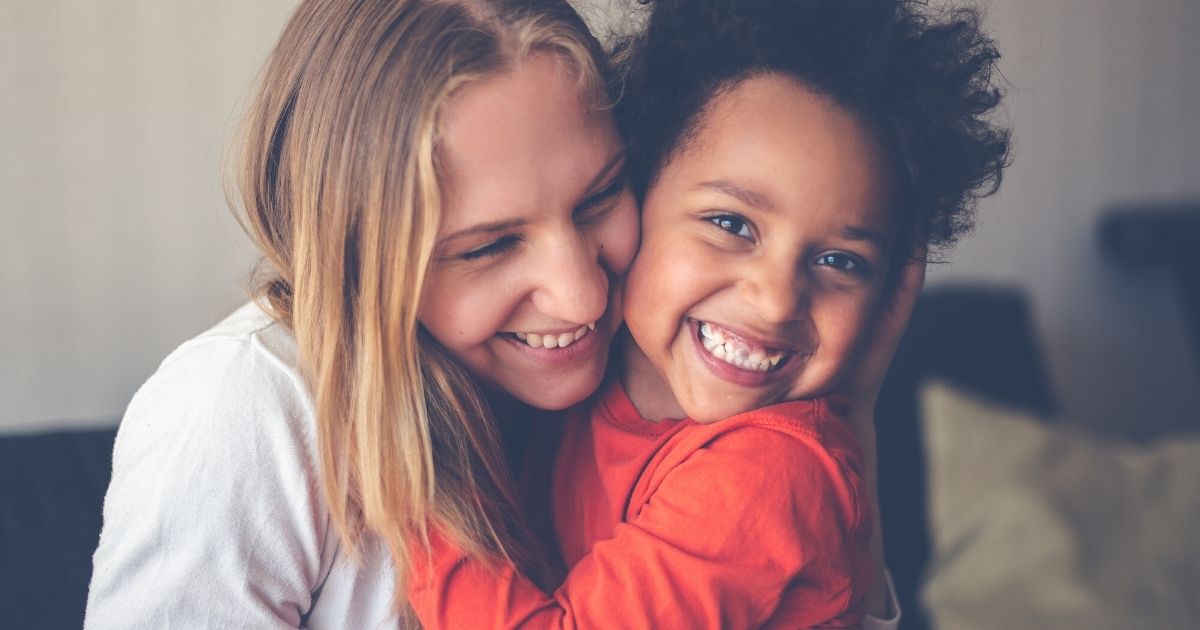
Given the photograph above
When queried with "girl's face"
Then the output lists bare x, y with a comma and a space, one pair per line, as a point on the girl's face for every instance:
539, 228
765, 249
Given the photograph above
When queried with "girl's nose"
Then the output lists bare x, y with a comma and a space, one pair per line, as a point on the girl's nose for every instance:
777, 292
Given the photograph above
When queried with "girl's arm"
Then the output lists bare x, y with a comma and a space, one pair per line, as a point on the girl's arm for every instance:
861, 387
726, 532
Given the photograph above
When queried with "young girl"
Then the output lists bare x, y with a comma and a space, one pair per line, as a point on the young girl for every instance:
791, 157
438, 190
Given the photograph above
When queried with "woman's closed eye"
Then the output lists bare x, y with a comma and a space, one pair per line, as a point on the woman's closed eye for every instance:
494, 248
601, 202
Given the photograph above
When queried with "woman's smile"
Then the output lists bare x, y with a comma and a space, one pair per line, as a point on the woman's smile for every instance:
553, 339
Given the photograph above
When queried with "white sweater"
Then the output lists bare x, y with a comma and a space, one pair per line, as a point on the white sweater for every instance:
214, 517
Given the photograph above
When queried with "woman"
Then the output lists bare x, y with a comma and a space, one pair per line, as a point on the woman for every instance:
270, 472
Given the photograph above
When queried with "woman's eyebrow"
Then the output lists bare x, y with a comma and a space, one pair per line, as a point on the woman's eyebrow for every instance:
485, 228
613, 162
500, 226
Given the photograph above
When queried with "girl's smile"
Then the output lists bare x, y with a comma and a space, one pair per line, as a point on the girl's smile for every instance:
742, 360
739, 350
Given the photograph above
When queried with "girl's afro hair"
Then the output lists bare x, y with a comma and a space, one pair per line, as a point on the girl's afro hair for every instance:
919, 81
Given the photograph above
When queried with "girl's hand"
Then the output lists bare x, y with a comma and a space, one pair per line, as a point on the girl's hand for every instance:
862, 383
861, 387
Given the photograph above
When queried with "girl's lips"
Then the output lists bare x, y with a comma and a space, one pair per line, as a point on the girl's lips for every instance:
787, 368
764, 345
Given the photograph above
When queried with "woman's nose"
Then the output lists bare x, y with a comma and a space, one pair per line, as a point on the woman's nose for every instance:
571, 283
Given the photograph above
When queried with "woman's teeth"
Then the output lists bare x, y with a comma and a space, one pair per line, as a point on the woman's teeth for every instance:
737, 353
560, 340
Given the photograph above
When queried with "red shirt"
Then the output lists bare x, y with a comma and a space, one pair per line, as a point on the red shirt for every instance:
760, 520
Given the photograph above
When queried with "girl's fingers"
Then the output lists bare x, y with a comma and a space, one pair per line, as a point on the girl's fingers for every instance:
895, 314
866, 378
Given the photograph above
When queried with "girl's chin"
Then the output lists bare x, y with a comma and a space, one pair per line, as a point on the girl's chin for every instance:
705, 413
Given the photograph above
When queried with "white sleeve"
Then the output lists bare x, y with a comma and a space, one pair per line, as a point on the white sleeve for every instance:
213, 518
893, 609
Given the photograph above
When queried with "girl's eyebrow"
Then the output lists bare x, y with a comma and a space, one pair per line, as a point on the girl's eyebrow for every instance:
741, 193
858, 233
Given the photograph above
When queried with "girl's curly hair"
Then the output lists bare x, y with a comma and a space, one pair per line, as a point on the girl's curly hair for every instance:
919, 81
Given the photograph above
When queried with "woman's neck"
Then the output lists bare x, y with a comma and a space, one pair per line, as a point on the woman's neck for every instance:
646, 388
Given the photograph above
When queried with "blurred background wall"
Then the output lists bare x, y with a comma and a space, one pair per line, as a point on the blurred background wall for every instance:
1105, 99
116, 243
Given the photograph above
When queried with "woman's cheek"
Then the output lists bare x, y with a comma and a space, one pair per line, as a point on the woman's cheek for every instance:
620, 237
460, 313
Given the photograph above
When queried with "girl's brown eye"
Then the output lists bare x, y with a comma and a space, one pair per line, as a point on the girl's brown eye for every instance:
733, 224
842, 261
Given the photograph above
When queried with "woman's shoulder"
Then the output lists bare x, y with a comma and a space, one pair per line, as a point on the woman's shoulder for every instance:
236, 384
216, 482
248, 338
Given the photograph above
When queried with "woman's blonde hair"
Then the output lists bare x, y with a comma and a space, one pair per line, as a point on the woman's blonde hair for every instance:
339, 186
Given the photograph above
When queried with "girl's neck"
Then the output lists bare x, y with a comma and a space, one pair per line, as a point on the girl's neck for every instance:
646, 388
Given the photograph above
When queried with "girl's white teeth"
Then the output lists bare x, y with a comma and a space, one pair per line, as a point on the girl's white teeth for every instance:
560, 340
736, 353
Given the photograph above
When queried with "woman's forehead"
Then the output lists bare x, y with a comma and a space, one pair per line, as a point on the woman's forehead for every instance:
520, 140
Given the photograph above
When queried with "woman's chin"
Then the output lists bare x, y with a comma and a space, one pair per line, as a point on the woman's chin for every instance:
558, 392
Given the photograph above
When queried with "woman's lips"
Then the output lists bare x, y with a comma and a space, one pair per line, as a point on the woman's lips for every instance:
554, 339
584, 341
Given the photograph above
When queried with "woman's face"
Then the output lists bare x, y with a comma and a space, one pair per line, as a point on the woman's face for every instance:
539, 228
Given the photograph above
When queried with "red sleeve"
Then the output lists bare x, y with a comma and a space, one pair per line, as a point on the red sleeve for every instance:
753, 515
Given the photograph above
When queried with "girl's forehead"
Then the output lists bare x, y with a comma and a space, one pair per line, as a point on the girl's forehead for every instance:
771, 143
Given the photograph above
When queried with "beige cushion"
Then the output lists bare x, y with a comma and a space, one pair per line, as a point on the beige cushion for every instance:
1036, 526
